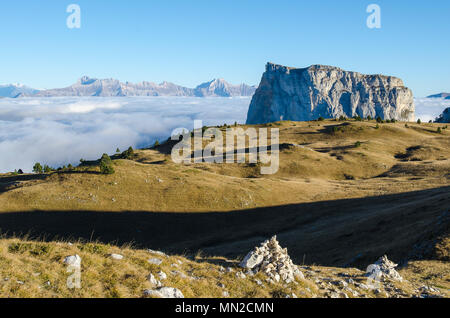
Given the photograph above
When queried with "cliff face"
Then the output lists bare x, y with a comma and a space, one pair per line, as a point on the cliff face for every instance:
287, 93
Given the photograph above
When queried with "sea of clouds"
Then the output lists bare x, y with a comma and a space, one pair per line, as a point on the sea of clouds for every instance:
59, 131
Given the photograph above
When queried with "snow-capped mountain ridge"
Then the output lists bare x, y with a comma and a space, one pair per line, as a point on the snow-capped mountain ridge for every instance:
88, 86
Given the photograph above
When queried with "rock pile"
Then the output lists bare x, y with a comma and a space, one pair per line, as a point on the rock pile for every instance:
385, 269
272, 260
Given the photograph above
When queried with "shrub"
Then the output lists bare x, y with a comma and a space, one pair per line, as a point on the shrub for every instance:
358, 118
37, 168
379, 120
369, 117
342, 118
357, 144
156, 144
439, 130
377, 126
47, 169
419, 121
106, 165
320, 118
127, 154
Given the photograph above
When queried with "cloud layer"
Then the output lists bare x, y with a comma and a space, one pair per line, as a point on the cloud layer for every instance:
59, 131
429, 108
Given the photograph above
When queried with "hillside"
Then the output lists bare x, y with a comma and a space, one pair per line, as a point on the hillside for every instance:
347, 192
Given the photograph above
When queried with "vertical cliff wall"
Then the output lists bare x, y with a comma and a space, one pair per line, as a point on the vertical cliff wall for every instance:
303, 94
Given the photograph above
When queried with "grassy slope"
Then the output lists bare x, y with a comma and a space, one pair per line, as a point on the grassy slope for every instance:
391, 163
36, 269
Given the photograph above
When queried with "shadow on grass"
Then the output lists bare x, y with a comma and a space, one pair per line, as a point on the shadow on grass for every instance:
334, 233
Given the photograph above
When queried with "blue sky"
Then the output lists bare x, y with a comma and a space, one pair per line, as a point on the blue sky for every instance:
189, 42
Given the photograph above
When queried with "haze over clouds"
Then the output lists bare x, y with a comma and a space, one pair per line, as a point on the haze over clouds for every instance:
59, 131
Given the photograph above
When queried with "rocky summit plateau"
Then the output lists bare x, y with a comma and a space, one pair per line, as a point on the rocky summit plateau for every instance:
303, 94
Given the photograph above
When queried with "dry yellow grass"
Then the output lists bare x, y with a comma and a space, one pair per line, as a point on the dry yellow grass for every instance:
342, 195
325, 165
35, 269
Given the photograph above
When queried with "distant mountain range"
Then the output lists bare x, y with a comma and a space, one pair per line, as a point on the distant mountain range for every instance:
15, 90
441, 95
87, 86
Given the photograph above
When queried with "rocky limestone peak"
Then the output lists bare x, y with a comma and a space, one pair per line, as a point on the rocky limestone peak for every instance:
303, 94
273, 260
86, 80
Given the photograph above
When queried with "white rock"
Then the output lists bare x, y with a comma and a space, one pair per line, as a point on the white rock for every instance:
117, 257
73, 260
240, 275
162, 275
156, 252
164, 292
251, 260
272, 260
385, 268
155, 261
154, 281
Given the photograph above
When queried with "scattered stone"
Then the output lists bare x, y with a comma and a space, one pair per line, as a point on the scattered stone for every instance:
164, 292
363, 286
240, 275
180, 274
272, 260
229, 270
225, 294
221, 285
162, 275
155, 261
116, 257
156, 252
154, 281
73, 260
